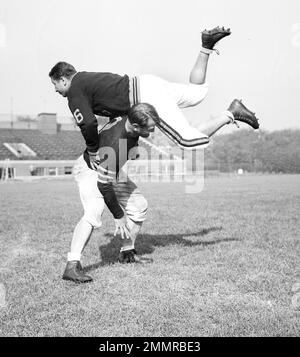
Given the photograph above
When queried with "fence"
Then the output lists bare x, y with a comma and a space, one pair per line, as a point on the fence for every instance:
12, 169
141, 170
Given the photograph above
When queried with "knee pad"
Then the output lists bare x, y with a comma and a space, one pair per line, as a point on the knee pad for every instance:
139, 212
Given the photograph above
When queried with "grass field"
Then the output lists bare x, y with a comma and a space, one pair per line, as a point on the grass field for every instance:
225, 262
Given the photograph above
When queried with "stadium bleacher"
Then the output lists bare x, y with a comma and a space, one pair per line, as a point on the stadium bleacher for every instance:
66, 145
55, 152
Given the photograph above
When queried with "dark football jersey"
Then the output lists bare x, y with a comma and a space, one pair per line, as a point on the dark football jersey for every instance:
91, 93
116, 147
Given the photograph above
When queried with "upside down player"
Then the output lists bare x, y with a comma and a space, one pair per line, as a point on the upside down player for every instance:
112, 95
118, 141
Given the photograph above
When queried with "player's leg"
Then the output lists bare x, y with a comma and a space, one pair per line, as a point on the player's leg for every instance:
193, 94
198, 76
81, 236
135, 206
168, 97
236, 112
73, 270
93, 205
209, 39
134, 229
198, 73
174, 124
211, 126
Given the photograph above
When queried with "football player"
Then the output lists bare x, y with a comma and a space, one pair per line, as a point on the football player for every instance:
112, 95
117, 143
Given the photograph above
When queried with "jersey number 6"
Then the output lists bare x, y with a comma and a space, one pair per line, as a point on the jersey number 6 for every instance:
78, 116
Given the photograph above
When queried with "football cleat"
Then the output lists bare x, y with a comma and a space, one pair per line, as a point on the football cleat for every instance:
243, 114
130, 256
75, 273
211, 37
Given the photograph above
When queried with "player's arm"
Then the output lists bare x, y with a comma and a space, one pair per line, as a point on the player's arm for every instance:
110, 199
113, 205
88, 125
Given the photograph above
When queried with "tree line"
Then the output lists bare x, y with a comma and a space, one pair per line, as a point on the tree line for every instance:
255, 151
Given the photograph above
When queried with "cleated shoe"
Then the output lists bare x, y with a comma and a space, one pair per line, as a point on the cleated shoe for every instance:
130, 256
211, 37
74, 273
243, 114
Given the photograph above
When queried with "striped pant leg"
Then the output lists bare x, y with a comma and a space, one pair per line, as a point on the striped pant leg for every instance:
168, 98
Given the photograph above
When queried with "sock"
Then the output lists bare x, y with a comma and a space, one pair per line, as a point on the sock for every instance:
74, 256
229, 115
128, 247
206, 51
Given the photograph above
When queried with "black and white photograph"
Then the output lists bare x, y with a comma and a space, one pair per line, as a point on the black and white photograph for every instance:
149, 171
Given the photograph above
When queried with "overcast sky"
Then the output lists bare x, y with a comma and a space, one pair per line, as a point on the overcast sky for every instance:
259, 62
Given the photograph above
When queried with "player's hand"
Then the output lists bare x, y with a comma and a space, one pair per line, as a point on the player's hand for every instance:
94, 160
121, 224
